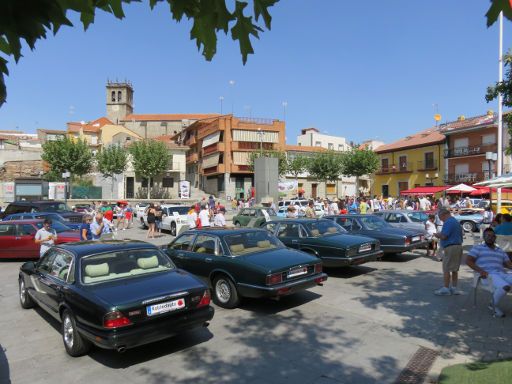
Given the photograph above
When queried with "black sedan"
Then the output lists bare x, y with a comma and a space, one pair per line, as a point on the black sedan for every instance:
244, 263
326, 240
116, 295
392, 239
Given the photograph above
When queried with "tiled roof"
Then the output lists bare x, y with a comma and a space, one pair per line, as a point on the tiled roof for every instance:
56, 131
471, 122
303, 148
92, 126
168, 140
303, 131
424, 138
169, 117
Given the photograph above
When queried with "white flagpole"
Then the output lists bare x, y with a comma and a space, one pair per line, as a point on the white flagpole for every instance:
500, 114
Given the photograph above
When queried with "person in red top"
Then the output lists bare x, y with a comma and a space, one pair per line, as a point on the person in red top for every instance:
109, 214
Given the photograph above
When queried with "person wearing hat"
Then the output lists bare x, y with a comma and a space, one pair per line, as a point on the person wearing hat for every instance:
292, 212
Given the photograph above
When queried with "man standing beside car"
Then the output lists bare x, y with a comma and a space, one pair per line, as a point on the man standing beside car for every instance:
46, 237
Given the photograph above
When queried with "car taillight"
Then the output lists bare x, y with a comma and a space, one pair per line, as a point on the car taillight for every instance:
205, 300
318, 268
115, 320
276, 278
407, 241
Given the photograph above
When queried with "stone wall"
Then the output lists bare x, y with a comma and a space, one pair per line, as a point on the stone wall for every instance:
11, 170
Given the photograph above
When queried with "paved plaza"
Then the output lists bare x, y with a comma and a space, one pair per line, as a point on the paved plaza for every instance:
363, 326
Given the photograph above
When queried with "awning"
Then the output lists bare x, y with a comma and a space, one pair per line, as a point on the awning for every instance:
423, 190
486, 190
211, 139
461, 188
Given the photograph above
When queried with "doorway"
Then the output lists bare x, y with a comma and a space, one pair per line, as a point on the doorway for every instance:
314, 188
130, 187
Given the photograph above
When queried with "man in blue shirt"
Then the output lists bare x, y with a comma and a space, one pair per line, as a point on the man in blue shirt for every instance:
505, 228
490, 261
451, 242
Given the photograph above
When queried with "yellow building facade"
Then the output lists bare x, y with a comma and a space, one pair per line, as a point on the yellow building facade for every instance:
414, 161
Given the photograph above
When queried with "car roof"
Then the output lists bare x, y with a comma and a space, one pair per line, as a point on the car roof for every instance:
86, 248
397, 210
35, 202
220, 231
26, 221
301, 220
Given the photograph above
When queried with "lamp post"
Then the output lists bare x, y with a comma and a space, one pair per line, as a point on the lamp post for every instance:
66, 176
490, 157
431, 178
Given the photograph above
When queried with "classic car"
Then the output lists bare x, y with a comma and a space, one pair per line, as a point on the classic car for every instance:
43, 206
115, 295
82, 208
469, 218
17, 237
253, 217
403, 218
244, 262
43, 215
174, 218
326, 240
392, 239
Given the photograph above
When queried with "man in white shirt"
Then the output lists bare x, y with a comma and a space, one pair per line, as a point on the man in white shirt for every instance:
423, 203
192, 217
220, 220
46, 237
204, 216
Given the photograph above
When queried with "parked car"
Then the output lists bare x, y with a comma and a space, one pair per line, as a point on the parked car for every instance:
174, 218
17, 238
392, 240
140, 208
82, 208
115, 295
301, 203
470, 219
326, 240
319, 210
245, 262
403, 218
43, 206
253, 217
43, 215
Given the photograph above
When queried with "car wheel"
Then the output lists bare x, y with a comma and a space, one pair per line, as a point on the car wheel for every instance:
142, 223
74, 343
225, 294
25, 300
237, 224
468, 226
173, 229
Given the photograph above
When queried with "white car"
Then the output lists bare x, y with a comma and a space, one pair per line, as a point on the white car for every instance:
139, 209
174, 218
319, 210
302, 204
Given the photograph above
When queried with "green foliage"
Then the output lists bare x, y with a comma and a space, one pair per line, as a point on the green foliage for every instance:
282, 164
112, 161
150, 158
359, 162
498, 6
30, 20
505, 88
326, 166
67, 154
297, 165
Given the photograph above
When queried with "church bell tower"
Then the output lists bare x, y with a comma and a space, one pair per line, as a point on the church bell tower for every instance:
119, 100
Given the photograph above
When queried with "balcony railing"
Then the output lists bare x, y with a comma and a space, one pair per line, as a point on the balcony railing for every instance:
469, 151
401, 168
467, 178
427, 165
192, 157
251, 146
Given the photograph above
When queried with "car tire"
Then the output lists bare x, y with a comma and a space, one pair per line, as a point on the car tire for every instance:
173, 229
26, 301
74, 343
225, 294
468, 226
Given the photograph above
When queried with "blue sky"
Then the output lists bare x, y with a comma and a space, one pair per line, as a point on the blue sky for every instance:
362, 70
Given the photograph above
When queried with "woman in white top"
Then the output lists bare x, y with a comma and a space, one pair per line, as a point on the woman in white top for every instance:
192, 217
204, 216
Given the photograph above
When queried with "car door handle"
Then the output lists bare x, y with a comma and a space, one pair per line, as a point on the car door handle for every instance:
208, 259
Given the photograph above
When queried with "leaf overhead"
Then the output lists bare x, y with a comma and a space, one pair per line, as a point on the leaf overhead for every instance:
498, 6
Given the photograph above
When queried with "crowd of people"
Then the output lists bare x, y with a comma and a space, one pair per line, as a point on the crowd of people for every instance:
206, 213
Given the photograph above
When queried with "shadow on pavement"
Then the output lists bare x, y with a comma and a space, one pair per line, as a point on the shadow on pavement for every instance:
267, 306
348, 272
401, 257
4, 367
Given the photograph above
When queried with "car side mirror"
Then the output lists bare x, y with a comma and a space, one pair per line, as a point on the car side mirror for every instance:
28, 267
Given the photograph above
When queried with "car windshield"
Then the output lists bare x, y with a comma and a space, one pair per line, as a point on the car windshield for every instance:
57, 225
54, 207
180, 210
124, 264
251, 242
417, 217
374, 223
324, 228
270, 211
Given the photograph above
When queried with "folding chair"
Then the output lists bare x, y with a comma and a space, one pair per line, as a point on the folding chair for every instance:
489, 287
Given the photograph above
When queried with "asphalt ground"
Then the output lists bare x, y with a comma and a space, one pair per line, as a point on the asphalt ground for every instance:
364, 325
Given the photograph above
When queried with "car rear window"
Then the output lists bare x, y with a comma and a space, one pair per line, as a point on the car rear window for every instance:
324, 228
53, 207
251, 242
180, 210
125, 264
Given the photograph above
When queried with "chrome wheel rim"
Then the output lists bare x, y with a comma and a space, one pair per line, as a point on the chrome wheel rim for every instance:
173, 230
467, 226
223, 291
22, 291
68, 332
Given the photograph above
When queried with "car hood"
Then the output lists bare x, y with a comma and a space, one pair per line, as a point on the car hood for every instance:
135, 290
278, 259
68, 236
342, 240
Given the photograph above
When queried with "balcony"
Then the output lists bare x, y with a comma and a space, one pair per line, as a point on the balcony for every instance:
193, 157
427, 165
466, 178
403, 168
217, 147
252, 146
469, 151
219, 168
191, 141
240, 168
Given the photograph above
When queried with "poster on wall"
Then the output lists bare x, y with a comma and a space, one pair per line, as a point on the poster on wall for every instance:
184, 189
287, 188
8, 192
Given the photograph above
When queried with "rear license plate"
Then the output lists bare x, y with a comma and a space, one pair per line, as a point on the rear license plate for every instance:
168, 306
297, 272
416, 238
365, 248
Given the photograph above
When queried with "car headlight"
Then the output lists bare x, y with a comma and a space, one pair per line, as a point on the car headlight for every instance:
377, 246
351, 252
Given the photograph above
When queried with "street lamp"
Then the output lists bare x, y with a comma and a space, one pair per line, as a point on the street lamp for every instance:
490, 157
431, 178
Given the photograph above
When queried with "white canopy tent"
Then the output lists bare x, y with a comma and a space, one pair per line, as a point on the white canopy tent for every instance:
462, 188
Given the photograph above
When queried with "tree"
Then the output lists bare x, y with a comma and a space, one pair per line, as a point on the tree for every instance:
30, 21
326, 166
505, 88
67, 154
150, 158
282, 166
498, 6
112, 161
297, 165
359, 162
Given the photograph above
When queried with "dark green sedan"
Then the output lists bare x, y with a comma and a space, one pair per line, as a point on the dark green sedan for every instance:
326, 240
244, 262
254, 217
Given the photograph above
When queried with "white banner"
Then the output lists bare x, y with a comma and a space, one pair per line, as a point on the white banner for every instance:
184, 189
288, 186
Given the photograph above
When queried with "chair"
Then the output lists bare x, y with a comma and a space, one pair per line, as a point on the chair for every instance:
488, 286
504, 242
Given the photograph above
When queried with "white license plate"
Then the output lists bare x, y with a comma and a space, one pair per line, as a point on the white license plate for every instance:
297, 272
416, 238
168, 306
365, 248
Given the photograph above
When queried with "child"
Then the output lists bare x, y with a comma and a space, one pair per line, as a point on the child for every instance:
431, 228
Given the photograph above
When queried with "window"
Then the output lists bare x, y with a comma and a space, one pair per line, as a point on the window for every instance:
418, 217
204, 244
330, 146
119, 95
45, 263
60, 265
26, 230
144, 182
402, 186
271, 227
340, 147
395, 218
345, 222
402, 163
7, 230
168, 182
318, 143
182, 243
289, 230
385, 190
113, 96
489, 139
429, 160
330, 189
384, 163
